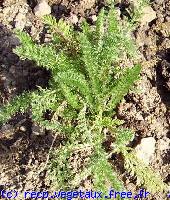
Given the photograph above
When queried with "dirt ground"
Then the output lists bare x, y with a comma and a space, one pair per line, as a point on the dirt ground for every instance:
23, 152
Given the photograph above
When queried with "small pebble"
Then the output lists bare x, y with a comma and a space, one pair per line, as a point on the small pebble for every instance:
73, 18
94, 18
22, 128
42, 8
20, 21
148, 15
146, 149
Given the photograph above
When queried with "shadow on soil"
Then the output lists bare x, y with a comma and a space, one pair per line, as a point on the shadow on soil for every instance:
17, 146
163, 77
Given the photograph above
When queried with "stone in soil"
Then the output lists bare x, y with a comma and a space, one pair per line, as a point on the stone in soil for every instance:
146, 149
42, 8
148, 15
20, 21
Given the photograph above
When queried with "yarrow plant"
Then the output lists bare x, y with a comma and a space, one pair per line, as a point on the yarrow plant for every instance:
83, 92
